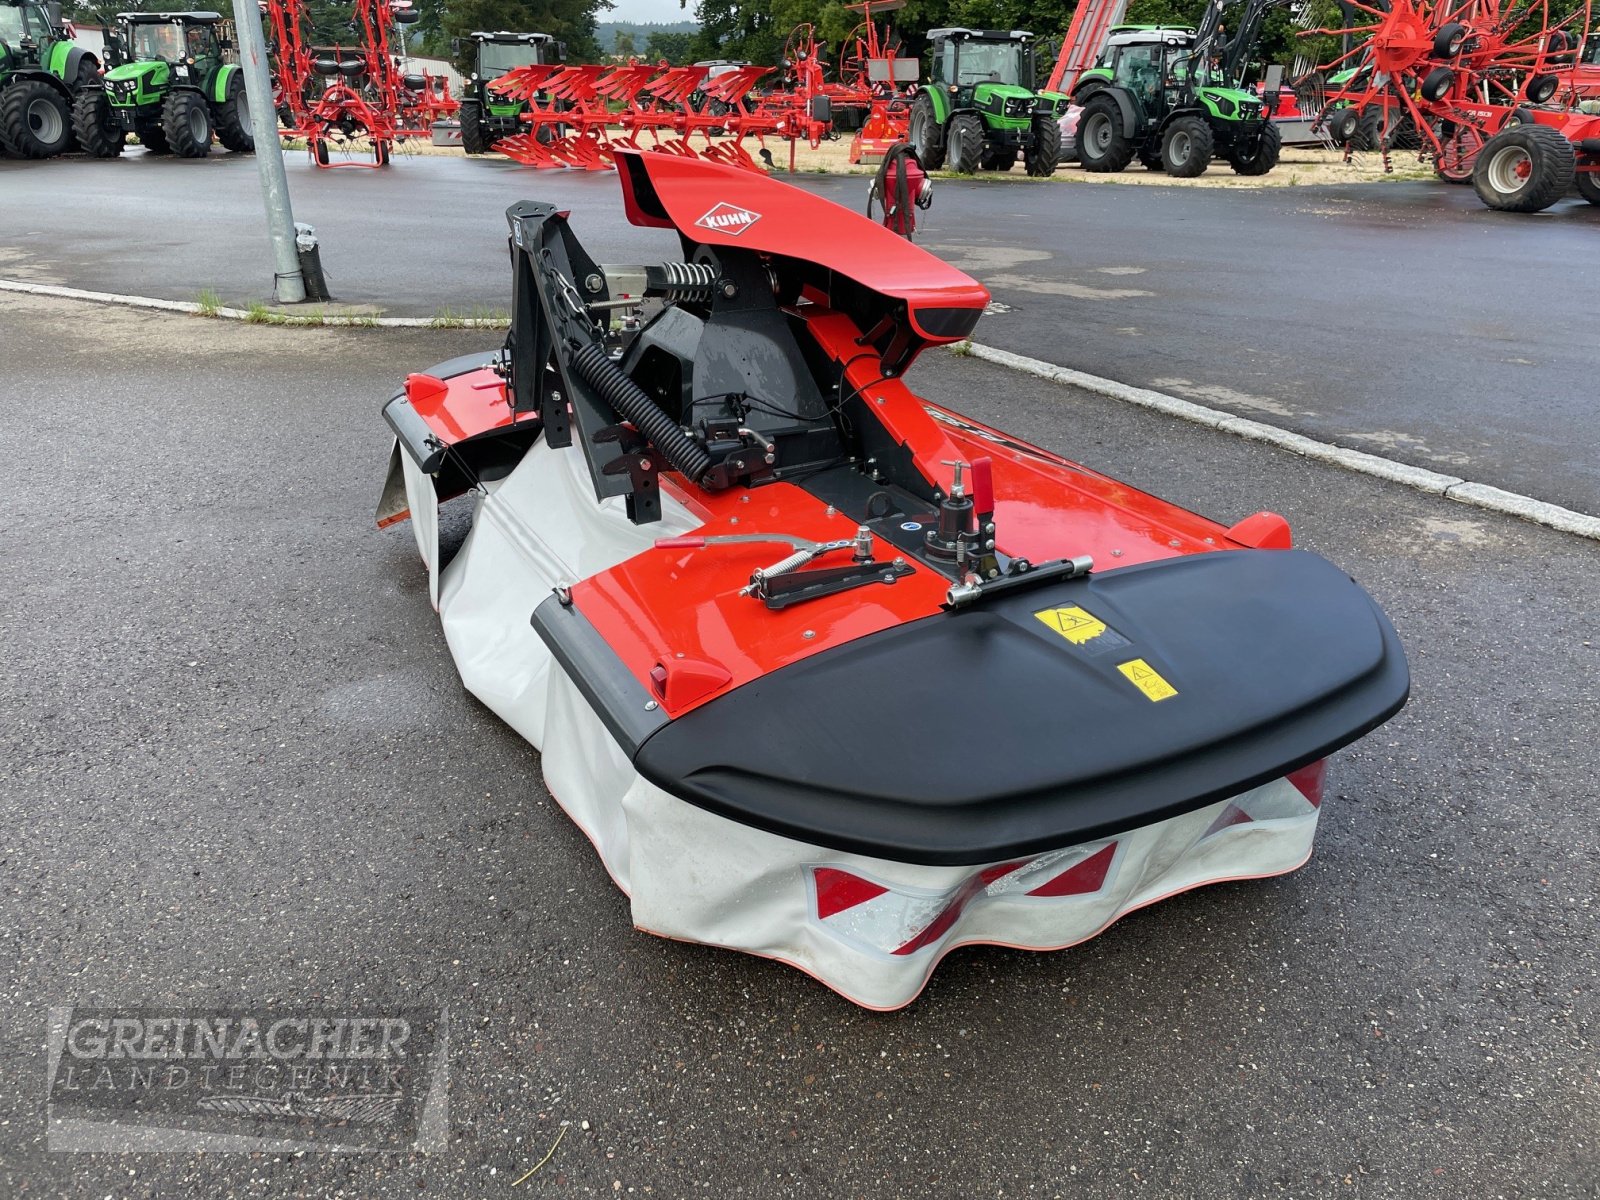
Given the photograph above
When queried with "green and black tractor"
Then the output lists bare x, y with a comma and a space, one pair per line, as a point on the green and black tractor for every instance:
1174, 98
487, 116
979, 107
40, 69
173, 86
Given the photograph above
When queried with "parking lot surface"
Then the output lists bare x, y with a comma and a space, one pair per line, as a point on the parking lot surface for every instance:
236, 767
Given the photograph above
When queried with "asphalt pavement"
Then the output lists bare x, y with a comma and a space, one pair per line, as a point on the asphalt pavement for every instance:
1400, 318
236, 767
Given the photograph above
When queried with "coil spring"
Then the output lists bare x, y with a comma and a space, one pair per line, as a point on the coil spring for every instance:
689, 281
595, 366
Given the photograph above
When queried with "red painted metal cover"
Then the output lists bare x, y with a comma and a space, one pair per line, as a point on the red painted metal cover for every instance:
724, 206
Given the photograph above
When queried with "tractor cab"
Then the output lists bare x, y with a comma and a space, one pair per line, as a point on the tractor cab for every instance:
1144, 59
969, 58
25, 28
176, 38
501, 52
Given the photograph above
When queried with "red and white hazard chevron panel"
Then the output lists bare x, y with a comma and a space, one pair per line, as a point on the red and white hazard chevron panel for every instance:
879, 917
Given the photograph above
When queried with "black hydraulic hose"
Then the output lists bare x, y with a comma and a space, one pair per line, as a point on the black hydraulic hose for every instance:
596, 368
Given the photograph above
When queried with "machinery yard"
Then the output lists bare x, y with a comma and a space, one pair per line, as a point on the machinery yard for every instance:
949, 644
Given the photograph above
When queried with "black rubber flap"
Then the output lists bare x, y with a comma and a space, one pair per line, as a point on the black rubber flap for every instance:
1050, 717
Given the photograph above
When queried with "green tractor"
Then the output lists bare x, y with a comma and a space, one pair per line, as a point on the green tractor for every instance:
1172, 97
172, 87
40, 69
979, 107
487, 116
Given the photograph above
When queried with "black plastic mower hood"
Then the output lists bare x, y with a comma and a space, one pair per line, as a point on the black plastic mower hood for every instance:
1012, 727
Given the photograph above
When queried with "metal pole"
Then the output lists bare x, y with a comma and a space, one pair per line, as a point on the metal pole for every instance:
289, 286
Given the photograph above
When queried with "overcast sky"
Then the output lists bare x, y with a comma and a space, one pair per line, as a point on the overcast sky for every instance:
659, 11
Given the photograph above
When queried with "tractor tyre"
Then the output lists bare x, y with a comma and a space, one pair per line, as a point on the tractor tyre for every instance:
231, 118
1368, 133
87, 78
319, 151
186, 121
1186, 147
1525, 169
925, 133
380, 152
34, 120
1041, 157
97, 131
474, 138
1262, 157
1104, 147
1588, 186
965, 141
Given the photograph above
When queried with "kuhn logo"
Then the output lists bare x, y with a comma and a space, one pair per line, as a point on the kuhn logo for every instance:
729, 219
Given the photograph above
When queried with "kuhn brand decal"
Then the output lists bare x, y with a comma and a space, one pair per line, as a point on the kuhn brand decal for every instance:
729, 219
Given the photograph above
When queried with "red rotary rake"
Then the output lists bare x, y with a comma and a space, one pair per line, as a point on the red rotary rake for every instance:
333, 96
1452, 74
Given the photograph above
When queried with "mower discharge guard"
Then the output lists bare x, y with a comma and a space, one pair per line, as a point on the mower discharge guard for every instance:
831, 674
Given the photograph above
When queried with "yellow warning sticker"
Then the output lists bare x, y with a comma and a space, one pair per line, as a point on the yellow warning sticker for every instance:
1147, 679
1073, 623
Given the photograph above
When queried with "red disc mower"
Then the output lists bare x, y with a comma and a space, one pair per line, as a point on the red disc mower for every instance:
830, 673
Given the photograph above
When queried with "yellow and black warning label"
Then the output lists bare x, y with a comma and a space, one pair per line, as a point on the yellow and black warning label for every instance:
1147, 679
1075, 624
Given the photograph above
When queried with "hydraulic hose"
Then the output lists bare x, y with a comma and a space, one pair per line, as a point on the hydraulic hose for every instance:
596, 368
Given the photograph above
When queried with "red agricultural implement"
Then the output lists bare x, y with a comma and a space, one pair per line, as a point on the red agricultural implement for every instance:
1473, 83
578, 116
335, 97
871, 65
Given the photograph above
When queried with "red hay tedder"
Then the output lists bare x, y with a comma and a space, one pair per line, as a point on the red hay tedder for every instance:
333, 96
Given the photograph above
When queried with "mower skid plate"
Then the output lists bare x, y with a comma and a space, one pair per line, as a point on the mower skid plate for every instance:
1048, 717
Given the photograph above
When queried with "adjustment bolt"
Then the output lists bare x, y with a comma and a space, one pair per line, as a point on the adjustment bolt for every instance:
730, 289
650, 706
809, 634
594, 283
